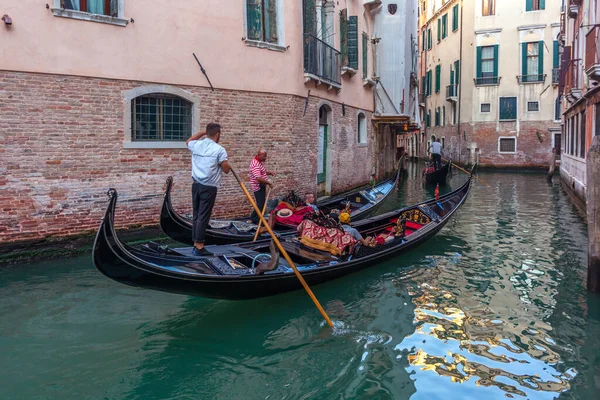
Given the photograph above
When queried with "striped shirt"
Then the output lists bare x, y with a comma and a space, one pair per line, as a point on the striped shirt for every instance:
256, 170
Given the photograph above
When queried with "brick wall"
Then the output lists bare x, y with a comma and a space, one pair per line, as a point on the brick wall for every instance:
61, 148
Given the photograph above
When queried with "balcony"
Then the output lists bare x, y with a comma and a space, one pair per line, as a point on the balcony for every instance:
452, 93
573, 85
422, 99
555, 75
535, 78
592, 59
487, 81
321, 63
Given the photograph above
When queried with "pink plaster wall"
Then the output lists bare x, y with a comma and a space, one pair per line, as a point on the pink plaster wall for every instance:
158, 47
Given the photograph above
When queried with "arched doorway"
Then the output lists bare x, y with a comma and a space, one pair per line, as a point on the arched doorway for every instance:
322, 140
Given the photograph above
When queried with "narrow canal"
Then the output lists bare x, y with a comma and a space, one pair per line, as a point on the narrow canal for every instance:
493, 307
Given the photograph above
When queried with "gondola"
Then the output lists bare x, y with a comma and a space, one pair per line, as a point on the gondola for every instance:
434, 176
230, 273
363, 202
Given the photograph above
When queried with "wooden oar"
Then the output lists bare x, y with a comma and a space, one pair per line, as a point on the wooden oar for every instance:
465, 171
283, 252
263, 213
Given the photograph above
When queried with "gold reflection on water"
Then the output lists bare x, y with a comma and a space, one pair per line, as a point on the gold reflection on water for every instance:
437, 315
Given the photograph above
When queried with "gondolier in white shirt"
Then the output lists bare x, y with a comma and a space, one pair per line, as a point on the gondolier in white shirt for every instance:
436, 153
209, 159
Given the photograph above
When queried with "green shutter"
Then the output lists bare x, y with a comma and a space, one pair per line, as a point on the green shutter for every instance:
429, 38
254, 19
555, 60
455, 17
451, 75
309, 13
353, 42
271, 21
496, 60
424, 40
542, 4
524, 60
541, 60
478, 65
438, 73
365, 59
444, 26
344, 36
457, 71
528, 5
439, 30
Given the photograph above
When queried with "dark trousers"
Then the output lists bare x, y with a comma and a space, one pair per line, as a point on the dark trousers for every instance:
203, 201
260, 195
437, 160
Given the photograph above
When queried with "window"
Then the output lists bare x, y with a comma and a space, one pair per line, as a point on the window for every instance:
160, 117
533, 61
437, 116
582, 135
508, 108
424, 40
443, 115
429, 84
443, 143
488, 7
534, 5
429, 39
507, 145
455, 18
597, 112
454, 113
444, 26
262, 20
438, 77
487, 65
101, 7
533, 106
428, 118
362, 128
439, 29
486, 107
557, 108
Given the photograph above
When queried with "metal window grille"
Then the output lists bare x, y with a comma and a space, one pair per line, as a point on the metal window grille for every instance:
160, 118
508, 145
533, 106
486, 107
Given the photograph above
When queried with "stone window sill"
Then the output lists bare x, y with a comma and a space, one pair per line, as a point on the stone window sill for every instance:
265, 45
154, 145
349, 71
369, 82
84, 16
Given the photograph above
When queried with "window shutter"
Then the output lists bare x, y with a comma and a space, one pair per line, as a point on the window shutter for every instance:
309, 12
555, 61
541, 60
478, 61
254, 19
114, 8
451, 75
365, 53
429, 39
457, 71
344, 36
444, 25
528, 5
496, 60
438, 73
455, 17
271, 21
542, 4
439, 30
424, 40
353, 42
524, 59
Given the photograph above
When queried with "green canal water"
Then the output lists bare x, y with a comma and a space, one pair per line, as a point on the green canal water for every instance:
493, 307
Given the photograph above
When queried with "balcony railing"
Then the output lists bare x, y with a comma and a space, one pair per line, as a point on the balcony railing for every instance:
422, 98
572, 77
535, 78
489, 80
592, 50
321, 60
451, 91
555, 75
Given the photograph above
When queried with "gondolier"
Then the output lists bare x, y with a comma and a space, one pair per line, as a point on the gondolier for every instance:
209, 159
259, 179
436, 154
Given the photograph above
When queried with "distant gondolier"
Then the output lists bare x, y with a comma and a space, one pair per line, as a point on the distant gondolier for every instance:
259, 179
209, 159
436, 154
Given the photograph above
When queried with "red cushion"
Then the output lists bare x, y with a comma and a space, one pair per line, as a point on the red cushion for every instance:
413, 225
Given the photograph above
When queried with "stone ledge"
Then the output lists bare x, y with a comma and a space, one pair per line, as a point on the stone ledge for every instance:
265, 45
84, 16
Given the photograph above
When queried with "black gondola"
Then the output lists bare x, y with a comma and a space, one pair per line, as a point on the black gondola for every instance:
230, 273
437, 175
363, 202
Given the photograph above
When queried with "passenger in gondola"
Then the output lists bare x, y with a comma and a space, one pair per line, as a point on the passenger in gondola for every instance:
309, 199
209, 159
344, 219
436, 154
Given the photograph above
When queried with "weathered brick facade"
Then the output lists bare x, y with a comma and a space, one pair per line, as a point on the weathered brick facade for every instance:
61, 148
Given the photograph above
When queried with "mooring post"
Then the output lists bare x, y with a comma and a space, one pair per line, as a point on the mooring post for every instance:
593, 215
552, 164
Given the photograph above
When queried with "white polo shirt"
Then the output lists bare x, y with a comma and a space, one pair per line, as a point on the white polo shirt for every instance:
207, 156
436, 148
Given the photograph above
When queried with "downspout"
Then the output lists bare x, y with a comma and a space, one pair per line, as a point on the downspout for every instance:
460, 73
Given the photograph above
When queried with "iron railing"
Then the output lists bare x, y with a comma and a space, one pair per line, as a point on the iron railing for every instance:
321, 60
555, 75
422, 98
535, 78
452, 91
488, 80
572, 77
591, 48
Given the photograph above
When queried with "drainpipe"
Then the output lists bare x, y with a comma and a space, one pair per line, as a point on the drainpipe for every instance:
460, 73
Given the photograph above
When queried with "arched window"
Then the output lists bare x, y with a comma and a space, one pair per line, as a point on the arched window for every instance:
362, 128
160, 117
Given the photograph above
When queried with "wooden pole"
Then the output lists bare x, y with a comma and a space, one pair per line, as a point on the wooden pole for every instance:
593, 214
283, 252
263, 213
552, 165
467, 172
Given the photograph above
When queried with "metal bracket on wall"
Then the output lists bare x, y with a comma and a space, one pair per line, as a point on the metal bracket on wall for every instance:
204, 72
306, 103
